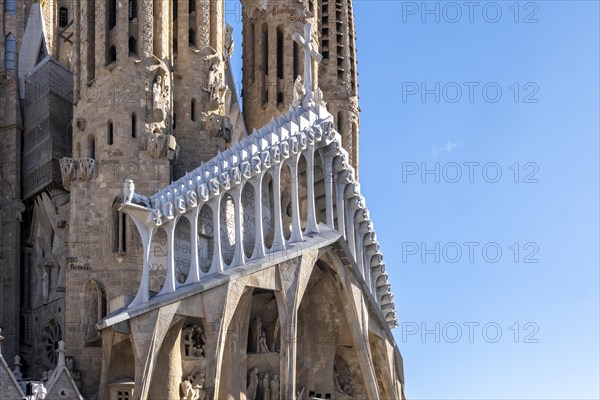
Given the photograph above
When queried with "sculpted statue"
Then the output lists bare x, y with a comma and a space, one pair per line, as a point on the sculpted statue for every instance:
186, 338
160, 98
192, 388
194, 341
255, 333
45, 285
265, 387
275, 387
262, 343
87, 168
229, 44
130, 197
252, 384
299, 92
161, 145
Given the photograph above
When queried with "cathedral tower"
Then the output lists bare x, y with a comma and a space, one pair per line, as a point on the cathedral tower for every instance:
272, 61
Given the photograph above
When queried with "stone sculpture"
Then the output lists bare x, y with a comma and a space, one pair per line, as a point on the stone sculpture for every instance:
252, 384
299, 92
130, 197
274, 387
262, 343
192, 388
255, 333
194, 341
265, 387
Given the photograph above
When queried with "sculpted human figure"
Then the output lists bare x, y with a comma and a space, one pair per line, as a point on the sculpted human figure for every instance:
274, 387
262, 343
265, 386
299, 92
188, 343
252, 384
255, 333
45, 285
157, 91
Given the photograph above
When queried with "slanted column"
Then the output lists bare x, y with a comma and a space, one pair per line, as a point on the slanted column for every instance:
146, 233
311, 218
278, 239
217, 261
343, 179
169, 285
296, 235
239, 258
259, 239
194, 274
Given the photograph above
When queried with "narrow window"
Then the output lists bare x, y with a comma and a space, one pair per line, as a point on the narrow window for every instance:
193, 110
10, 44
63, 17
174, 121
213, 23
110, 133
91, 39
280, 52
133, 126
119, 228
112, 14
112, 54
192, 38
91, 149
296, 69
175, 9
192, 6
265, 52
132, 10
132, 46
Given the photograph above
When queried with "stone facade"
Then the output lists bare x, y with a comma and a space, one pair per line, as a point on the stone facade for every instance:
283, 293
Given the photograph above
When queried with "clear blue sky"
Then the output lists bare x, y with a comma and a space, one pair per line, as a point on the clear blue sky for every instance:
547, 130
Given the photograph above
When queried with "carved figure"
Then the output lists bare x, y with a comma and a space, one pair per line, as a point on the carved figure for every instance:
255, 333
275, 387
130, 197
348, 386
45, 285
188, 343
188, 391
157, 92
252, 384
265, 387
262, 343
299, 92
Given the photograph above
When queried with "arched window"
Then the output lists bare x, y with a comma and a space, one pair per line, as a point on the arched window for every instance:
110, 133
133, 125
193, 110
11, 7
132, 9
10, 44
296, 68
132, 46
63, 17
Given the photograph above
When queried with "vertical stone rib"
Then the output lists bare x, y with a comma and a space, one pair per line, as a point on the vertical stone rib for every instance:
296, 235
311, 222
169, 285
278, 239
217, 261
239, 258
259, 240
194, 274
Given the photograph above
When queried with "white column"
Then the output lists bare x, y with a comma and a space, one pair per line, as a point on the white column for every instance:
194, 274
341, 207
169, 285
296, 235
278, 239
328, 171
217, 261
259, 239
239, 258
143, 293
311, 218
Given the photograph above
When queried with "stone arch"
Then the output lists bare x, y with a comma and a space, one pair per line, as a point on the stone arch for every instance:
183, 249
168, 373
322, 330
93, 310
158, 261
248, 219
268, 212
205, 238
227, 228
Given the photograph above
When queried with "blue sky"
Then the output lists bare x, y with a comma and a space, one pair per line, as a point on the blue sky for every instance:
532, 311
